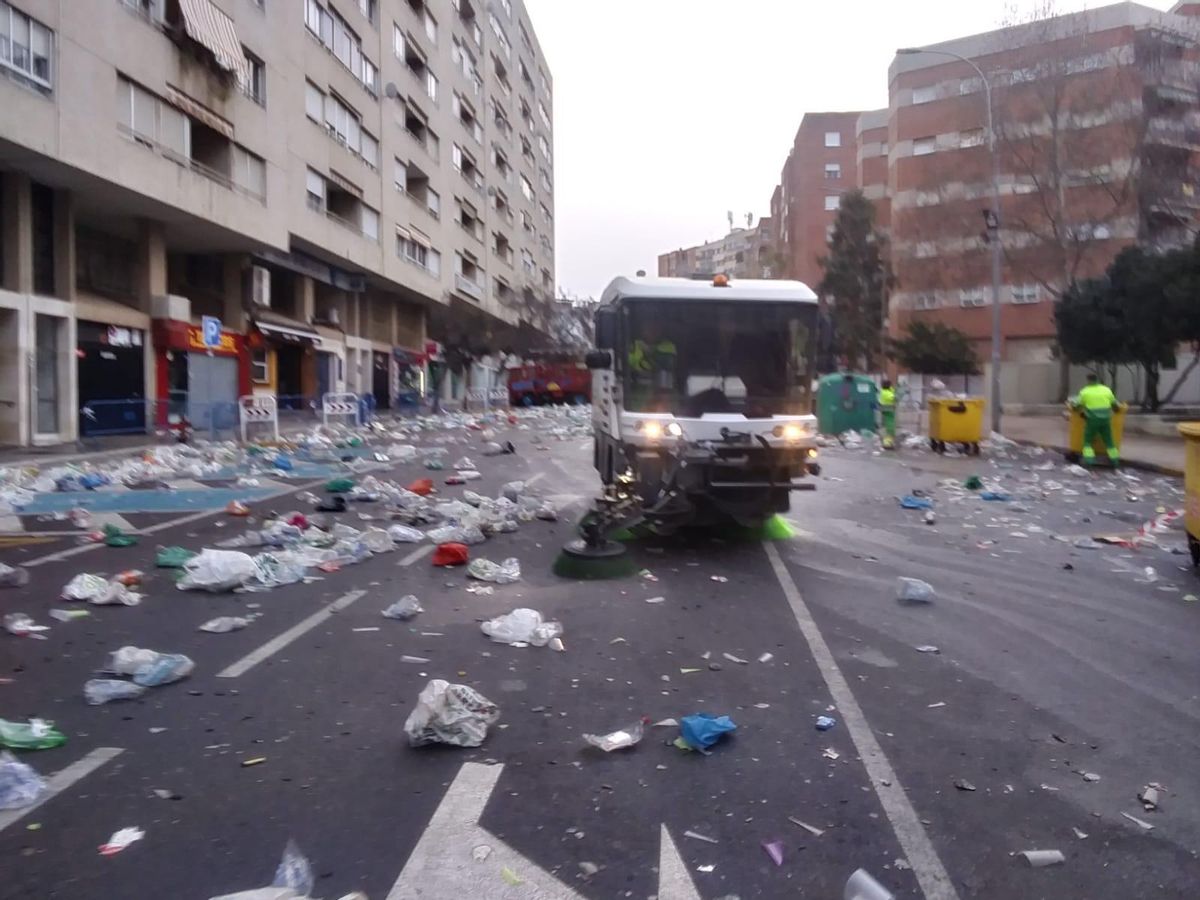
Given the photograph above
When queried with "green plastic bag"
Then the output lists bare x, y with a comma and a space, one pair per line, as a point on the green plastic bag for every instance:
35, 734
340, 485
115, 537
973, 483
173, 557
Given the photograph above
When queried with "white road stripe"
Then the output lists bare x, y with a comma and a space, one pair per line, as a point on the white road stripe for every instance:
674, 882
60, 781
443, 865
248, 662
419, 553
926, 865
534, 479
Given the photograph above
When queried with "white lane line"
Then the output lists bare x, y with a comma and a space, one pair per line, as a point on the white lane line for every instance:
534, 479
248, 662
927, 866
674, 881
419, 553
60, 781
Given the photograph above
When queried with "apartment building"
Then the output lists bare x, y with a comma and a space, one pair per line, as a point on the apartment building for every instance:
743, 253
822, 164
1098, 123
342, 183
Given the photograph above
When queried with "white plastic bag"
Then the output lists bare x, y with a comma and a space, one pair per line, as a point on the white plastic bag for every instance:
503, 573
377, 540
98, 590
450, 714
406, 534
457, 534
913, 590
20, 784
149, 668
522, 626
404, 609
224, 624
216, 571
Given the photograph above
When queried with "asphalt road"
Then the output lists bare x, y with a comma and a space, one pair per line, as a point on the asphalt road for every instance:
1043, 673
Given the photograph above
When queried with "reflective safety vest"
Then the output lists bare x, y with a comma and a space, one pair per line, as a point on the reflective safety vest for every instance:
1097, 398
887, 398
644, 359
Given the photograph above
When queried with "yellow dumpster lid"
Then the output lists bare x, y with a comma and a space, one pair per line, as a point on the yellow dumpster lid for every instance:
1190, 429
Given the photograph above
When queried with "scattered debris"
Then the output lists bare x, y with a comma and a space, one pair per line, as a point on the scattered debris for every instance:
1082, 835
224, 624
964, 785
736, 659
927, 648
407, 607
1038, 859
1149, 796
621, 739
23, 625
522, 627
700, 837
36, 734
20, 784
824, 723
702, 730
1145, 826
120, 840
913, 590
830, 753
506, 572
811, 829
774, 850
450, 714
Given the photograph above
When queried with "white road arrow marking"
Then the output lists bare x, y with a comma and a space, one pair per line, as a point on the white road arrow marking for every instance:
445, 862
674, 882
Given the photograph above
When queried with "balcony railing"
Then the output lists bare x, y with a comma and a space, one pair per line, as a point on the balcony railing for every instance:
196, 166
471, 231
465, 285
475, 182
345, 223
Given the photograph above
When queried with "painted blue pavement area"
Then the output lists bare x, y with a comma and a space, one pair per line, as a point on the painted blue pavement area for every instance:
142, 501
303, 471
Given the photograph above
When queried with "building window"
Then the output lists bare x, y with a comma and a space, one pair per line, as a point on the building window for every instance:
400, 176
501, 37
431, 86
973, 138
256, 79
526, 188
249, 172
151, 9
833, 139
544, 147
924, 146
925, 301
367, 8
833, 202
338, 37
430, 26
25, 45
1025, 294
924, 95
833, 171
543, 115
260, 371
316, 189
370, 223
433, 202
314, 102
370, 150
971, 297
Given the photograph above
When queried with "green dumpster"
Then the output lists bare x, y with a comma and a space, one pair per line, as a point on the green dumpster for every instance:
846, 402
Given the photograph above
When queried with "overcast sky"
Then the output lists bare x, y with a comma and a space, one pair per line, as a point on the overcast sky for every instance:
669, 113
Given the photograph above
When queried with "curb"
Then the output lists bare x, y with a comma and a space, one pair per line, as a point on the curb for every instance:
1126, 462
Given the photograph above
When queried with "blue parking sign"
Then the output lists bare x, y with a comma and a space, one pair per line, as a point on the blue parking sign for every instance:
211, 327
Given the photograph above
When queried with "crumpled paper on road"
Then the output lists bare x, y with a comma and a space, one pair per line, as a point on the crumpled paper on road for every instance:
450, 714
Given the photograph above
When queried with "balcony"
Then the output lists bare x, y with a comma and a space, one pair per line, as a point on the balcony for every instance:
1167, 131
473, 180
471, 230
466, 286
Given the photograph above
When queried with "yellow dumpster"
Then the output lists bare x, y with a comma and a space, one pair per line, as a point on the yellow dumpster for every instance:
1191, 485
1075, 434
956, 421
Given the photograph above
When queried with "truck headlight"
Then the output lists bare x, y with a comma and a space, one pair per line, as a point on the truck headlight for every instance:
652, 430
674, 430
792, 432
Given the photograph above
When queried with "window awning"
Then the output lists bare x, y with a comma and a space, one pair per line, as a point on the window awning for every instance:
291, 331
421, 238
199, 111
213, 29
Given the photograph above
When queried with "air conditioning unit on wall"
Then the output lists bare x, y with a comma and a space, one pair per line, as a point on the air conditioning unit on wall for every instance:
260, 287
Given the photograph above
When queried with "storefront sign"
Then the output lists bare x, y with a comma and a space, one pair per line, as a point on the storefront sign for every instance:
123, 337
196, 343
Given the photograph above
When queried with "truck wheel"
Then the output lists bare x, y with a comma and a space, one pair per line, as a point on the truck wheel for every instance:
1194, 547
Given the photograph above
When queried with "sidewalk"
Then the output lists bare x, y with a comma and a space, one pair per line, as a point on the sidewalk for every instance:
1154, 454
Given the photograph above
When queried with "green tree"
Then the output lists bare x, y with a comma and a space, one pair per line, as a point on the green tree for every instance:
934, 348
856, 281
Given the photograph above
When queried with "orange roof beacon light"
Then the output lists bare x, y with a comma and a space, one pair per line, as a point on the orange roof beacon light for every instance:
721, 281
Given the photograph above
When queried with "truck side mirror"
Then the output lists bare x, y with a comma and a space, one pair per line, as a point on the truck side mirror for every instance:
599, 359
606, 329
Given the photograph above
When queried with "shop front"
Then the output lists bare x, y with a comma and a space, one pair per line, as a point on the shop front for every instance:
198, 382
411, 378
284, 359
110, 363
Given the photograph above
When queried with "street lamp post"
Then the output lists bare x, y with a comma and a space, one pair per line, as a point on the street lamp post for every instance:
993, 220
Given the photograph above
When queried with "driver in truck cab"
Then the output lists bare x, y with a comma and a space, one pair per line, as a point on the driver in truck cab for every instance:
652, 361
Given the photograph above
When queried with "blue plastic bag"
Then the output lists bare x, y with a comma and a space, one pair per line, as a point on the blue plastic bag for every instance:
995, 496
703, 730
911, 502
283, 463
